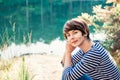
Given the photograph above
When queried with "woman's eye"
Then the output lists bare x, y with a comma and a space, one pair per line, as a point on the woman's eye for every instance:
75, 32
67, 35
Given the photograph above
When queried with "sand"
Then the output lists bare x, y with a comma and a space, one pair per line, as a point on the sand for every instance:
40, 67
44, 67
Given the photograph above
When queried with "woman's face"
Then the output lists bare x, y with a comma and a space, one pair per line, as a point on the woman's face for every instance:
75, 38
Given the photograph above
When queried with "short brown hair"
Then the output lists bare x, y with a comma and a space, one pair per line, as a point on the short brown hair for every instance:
76, 24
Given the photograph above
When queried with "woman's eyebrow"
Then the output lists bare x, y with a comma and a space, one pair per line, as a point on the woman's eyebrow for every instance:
74, 30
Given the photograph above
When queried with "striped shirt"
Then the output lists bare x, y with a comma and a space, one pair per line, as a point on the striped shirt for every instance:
96, 62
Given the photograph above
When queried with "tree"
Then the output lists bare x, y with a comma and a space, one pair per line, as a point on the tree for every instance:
107, 19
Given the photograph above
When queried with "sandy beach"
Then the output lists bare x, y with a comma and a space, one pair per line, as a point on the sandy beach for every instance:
44, 67
40, 67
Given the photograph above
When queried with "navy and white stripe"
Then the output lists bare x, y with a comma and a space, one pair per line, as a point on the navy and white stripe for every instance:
97, 63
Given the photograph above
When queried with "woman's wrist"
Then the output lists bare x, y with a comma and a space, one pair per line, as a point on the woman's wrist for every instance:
68, 60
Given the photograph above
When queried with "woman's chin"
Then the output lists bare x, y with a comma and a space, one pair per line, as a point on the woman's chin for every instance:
75, 45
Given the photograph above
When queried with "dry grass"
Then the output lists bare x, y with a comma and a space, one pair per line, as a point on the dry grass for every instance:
40, 67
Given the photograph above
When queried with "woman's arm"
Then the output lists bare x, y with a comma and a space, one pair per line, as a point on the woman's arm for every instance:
86, 64
77, 57
67, 57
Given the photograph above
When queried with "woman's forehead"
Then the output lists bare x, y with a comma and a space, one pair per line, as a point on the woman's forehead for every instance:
71, 31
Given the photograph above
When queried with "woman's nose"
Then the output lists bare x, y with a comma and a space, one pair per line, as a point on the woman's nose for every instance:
71, 36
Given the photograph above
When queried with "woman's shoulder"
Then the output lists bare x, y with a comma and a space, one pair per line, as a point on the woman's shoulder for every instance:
97, 46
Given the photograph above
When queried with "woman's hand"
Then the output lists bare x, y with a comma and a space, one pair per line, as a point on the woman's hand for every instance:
69, 48
67, 54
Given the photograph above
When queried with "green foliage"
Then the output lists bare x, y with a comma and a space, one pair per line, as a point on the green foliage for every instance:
7, 65
119, 67
107, 19
109, 16
5, 40
24, 73
10, 35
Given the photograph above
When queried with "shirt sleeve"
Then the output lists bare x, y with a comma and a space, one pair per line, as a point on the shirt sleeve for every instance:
77, 57
86, 64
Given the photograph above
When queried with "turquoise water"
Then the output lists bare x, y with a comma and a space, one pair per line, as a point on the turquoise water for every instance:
44, 19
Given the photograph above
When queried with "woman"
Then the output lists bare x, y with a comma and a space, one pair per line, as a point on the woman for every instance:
92, 61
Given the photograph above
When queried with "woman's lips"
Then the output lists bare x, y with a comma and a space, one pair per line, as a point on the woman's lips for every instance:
74, 41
